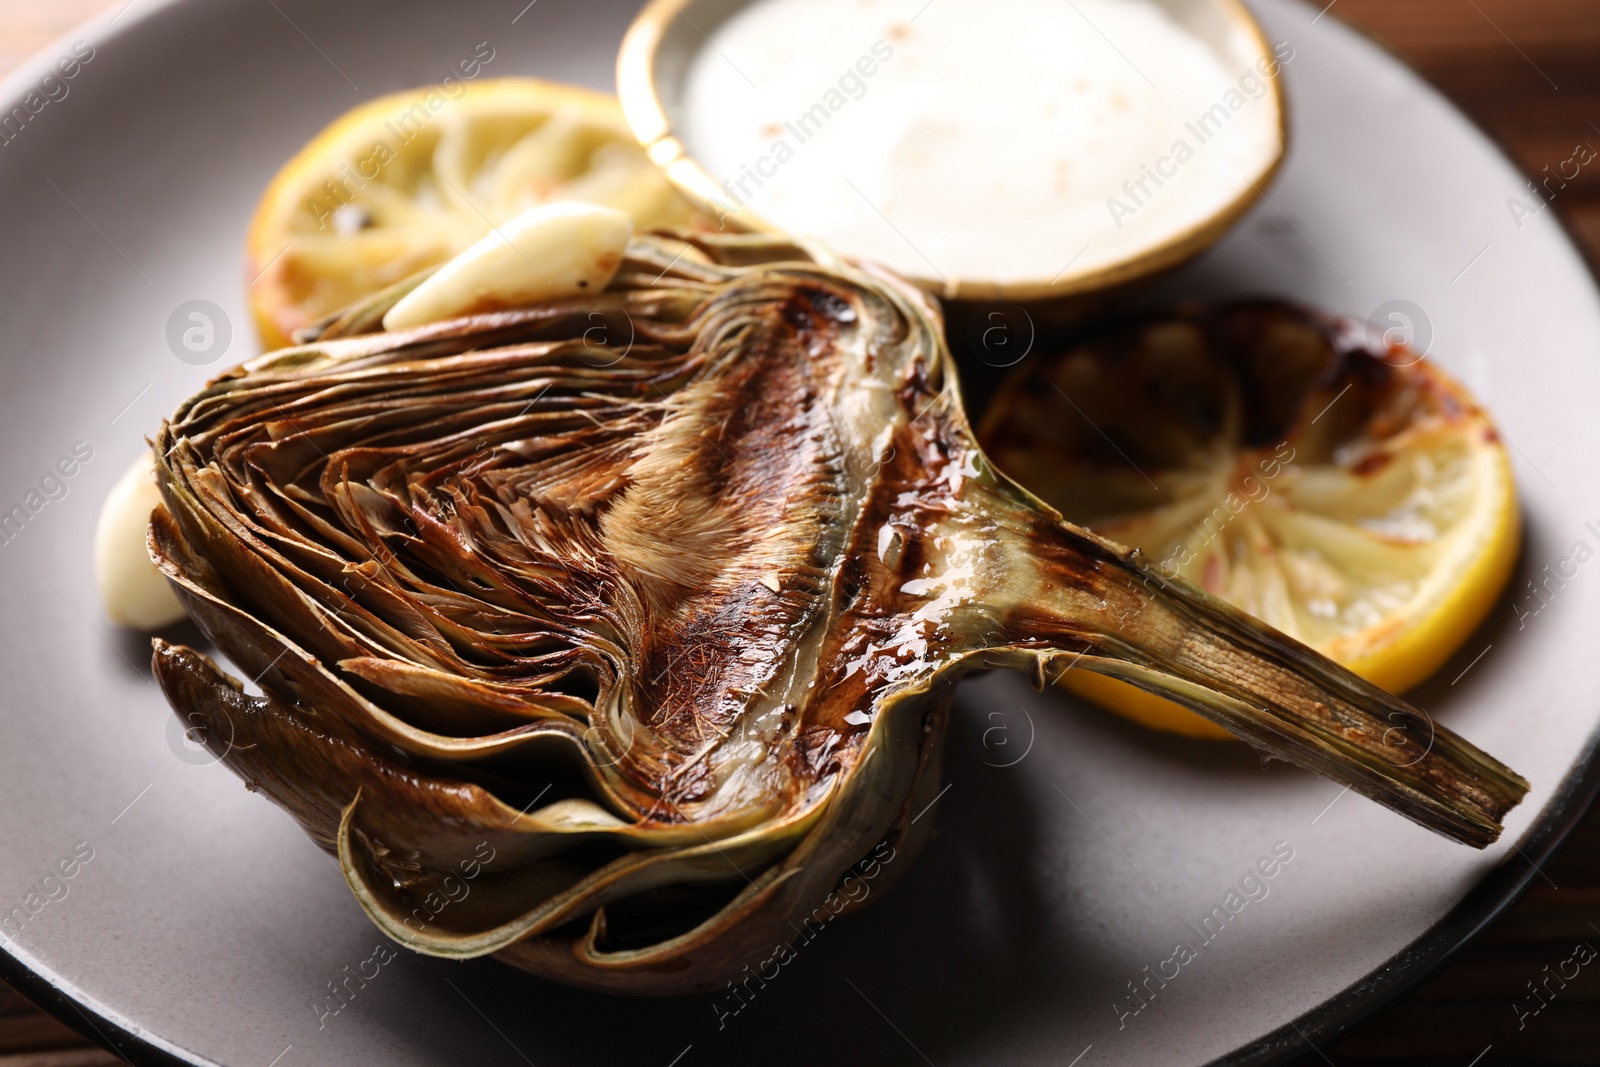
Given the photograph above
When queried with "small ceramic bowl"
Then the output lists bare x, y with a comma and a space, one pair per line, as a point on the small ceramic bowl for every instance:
653, 71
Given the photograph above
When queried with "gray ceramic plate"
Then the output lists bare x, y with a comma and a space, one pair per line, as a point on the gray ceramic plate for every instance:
205, 928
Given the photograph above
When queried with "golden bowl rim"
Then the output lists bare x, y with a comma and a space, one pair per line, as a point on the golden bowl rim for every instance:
647, 118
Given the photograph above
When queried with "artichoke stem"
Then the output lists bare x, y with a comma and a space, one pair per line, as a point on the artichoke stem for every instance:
1166, 636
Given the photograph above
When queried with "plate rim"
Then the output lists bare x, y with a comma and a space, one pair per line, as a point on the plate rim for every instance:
1425, 956
1498, 891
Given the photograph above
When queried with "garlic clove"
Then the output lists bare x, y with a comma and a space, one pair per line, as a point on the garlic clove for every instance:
546, 253
135, 593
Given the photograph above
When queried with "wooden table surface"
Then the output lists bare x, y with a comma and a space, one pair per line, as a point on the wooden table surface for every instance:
1529, 72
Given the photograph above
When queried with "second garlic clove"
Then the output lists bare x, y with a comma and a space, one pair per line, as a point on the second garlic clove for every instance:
134, 591
549, 252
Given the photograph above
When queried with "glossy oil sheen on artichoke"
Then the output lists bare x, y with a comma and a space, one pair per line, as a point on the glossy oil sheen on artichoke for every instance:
645, 610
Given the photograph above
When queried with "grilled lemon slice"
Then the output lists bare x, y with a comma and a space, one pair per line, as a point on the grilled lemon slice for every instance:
408, 180
1350, 494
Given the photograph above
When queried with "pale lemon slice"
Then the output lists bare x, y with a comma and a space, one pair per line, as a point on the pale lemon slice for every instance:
1347, 493
409, 180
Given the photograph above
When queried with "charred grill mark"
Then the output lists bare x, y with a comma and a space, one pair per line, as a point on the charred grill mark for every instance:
918, 492
1283, 373
713, 650
766, 465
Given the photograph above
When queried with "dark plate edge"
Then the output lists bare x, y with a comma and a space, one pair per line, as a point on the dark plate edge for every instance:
1425, 957
90, 1022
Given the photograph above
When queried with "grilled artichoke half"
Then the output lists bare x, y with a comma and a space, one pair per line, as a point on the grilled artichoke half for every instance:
609, 635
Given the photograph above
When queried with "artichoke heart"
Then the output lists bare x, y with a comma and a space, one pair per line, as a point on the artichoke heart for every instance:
607, 635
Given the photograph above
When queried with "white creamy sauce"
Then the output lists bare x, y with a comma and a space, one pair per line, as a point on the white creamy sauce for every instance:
1000, 140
